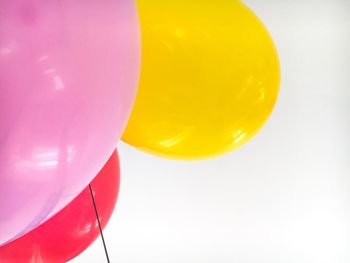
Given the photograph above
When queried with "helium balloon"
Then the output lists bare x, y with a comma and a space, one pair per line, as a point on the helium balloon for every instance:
72, 230
209, 78
68, 80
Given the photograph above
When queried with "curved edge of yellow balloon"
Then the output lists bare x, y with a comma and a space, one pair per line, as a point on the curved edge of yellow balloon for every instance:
158, 151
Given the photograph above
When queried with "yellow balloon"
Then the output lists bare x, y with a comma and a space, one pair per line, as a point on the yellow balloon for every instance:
209, 78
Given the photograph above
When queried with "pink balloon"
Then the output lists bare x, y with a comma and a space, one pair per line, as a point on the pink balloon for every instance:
68, 79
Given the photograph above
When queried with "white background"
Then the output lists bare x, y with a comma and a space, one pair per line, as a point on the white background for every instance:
285, 196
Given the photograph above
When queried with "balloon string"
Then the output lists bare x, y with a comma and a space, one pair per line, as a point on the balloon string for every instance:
99, 223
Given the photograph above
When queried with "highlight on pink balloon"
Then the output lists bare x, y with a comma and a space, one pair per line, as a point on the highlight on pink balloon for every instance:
68, 79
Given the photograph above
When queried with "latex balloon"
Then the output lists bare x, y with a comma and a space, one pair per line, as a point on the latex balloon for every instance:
68, 79
209, 78
72, 230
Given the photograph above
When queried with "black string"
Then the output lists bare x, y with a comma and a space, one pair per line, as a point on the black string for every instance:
99, 223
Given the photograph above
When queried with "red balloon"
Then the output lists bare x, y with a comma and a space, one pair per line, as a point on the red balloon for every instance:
72, 230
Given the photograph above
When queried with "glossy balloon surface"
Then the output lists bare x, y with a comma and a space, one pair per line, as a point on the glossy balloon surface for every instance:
209, 78
68, 80
72, 230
